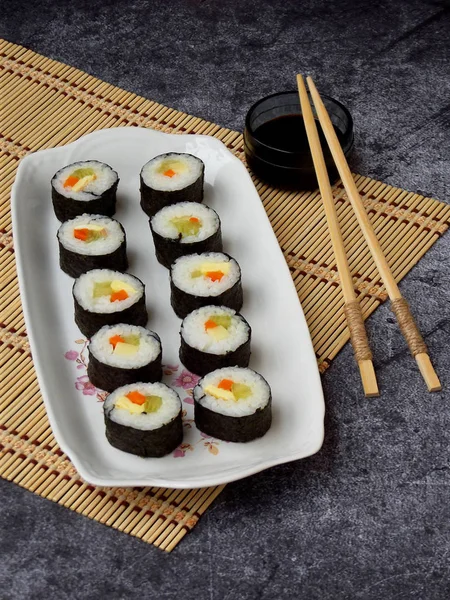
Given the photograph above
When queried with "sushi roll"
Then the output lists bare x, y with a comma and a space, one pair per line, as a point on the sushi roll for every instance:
104, 297
122, 354
233, 404
185, 228
91, 242
84, 187
171, 178
213, 337
144, 419
198, 280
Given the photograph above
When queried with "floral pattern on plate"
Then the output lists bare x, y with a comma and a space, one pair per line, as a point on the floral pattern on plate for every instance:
184, 383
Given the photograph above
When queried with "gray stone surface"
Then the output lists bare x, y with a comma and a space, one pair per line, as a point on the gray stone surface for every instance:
368, 516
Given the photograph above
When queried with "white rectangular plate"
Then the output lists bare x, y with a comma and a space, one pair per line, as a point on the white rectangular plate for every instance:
281, 345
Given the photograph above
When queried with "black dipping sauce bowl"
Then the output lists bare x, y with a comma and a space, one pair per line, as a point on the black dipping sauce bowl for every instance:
276, 145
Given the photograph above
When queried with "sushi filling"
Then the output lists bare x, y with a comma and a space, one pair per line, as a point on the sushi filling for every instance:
233, 391
125, 346
91, 235
143, 406
215, 329
208, 274
187, 222
101, 290
85, 180
137, 403
170, 172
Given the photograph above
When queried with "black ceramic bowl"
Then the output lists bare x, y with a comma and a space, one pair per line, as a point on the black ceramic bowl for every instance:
291, 168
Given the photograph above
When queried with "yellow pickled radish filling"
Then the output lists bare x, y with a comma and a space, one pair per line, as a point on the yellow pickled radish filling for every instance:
229, 390
124, 345
82, 183
117, 285
186, 225
214, 271
80, 179
137, 403
171, 167
90, 233
115, 289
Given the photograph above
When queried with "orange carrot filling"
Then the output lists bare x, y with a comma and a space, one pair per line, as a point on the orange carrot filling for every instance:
194, 220
136, 397
210, 324
169, 173
81, 234
115, 339
120, 295
71, 181
226, 384
215, 275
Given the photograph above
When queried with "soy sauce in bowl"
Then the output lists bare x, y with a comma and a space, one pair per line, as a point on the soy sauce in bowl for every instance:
276, 144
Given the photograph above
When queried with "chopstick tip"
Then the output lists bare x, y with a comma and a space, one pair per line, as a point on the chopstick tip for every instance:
368, 378
428, 372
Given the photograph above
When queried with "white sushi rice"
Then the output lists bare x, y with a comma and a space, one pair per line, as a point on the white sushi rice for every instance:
183, 267
148, 350
84, 287
105, 245
209, 219
106, 177
240, 408
194, 333
169, 409
155, 179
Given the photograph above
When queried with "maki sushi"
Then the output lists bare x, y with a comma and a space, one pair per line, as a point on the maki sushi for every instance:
104, 297
84, 187
185, 228
171, 178
91, 242
122, 354
213, 337
233, 404
198, 280
144, 419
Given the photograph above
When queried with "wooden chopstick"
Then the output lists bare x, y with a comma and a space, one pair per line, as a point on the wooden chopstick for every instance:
353, 312
399, 305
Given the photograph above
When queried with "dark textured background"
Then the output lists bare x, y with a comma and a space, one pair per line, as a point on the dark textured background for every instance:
368, 517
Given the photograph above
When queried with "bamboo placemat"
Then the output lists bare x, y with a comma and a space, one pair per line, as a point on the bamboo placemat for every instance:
44, 103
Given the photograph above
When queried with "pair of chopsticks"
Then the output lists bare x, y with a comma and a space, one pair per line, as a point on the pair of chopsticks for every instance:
399, 305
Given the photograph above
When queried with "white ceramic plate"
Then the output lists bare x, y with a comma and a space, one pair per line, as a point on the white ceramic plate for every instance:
281, 345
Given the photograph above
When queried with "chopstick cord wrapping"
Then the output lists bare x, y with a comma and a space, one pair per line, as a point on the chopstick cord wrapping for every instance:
408, 327
357, 330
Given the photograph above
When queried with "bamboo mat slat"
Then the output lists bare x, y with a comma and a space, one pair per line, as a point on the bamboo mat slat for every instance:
44, 103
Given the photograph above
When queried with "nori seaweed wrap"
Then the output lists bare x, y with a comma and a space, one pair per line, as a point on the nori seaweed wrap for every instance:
233, 404
91, 242
103, 297
212, 338
211, 278
84, 187
123, 354
144, 419
171, 178
185, 228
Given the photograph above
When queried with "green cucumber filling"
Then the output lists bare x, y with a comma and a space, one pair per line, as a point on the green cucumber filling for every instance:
241, 391
224, 320
102, 288
152, 404
186, 226
83, 172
